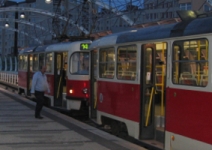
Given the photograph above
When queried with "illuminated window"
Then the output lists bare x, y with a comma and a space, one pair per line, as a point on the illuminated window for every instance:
35, 62
41, 60
106, 63
22, 63
190, 62
49, 61
126, 62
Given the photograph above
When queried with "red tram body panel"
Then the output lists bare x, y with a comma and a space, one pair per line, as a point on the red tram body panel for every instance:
50, 80
187, 119
77, 87
116, 98
22, 76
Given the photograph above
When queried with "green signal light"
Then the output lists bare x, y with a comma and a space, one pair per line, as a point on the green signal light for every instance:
84, 46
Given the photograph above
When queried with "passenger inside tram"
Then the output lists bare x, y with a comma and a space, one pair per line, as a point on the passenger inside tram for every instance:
80, 63
191, 65
64, 74
84, 65
127, 65
203, 66
189, 69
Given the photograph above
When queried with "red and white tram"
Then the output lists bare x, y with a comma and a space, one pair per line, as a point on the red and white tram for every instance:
67, 72
154, 84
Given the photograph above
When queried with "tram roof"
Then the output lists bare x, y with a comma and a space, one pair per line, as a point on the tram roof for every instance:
184, 28
27, 50
59, 46
151, 33
64, 46
41, 48
108, 40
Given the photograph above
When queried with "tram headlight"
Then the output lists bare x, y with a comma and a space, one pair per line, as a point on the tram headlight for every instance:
85, 90
71, 91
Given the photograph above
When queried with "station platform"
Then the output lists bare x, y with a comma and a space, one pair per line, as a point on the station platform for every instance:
19, 129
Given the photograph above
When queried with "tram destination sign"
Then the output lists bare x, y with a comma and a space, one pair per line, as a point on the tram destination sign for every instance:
84, 46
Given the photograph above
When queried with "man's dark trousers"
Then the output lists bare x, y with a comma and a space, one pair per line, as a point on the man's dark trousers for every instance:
39, 102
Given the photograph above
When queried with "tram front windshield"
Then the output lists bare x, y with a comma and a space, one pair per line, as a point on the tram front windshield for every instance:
79, 63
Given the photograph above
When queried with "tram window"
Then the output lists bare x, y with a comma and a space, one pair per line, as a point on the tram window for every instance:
30, 62
41, 60
35, 62
59, 59
25, 62
106, 63
48, 62
22, 62
20, 66
79, 63
190, 62
126, 62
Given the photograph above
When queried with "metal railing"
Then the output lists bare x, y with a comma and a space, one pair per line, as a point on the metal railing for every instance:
8, 77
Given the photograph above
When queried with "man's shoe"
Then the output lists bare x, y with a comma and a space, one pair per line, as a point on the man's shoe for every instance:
39, 117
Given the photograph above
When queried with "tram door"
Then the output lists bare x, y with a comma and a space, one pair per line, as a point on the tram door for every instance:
93, 82
152, 88
58, 79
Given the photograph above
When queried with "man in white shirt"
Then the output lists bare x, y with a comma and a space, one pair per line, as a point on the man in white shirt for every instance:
39, 86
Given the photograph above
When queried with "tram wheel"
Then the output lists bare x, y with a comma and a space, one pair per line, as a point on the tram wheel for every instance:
123, 132
115, 129
20, 91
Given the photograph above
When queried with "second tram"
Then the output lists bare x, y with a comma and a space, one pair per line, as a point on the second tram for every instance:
67, 73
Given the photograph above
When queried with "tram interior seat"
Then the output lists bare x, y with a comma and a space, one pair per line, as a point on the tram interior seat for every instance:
187, 78
48, 68
204, 80
126, 75
199, 72
108, 74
